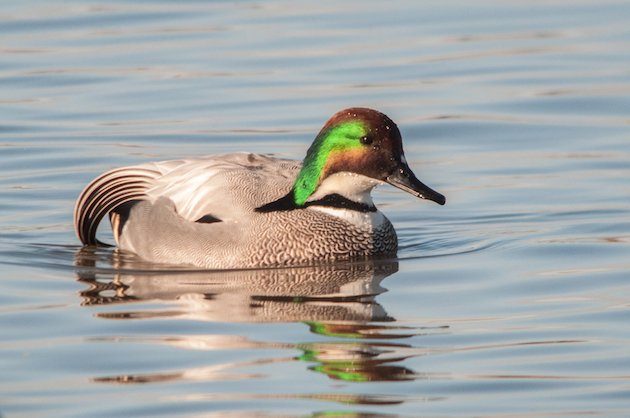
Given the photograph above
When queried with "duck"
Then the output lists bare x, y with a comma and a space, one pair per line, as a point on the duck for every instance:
247, 210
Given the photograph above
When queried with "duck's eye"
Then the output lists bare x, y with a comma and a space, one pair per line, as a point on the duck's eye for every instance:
365, 140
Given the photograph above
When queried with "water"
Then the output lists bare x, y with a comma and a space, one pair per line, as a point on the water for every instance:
512, 300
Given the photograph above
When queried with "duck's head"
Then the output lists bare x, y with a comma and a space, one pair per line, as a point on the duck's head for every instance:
363, 143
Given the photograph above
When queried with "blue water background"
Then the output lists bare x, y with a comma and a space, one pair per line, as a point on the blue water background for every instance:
511, 300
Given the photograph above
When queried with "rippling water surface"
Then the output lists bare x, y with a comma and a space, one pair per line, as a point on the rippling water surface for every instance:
511, 300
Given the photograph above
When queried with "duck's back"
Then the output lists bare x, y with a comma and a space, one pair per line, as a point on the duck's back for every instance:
227, 187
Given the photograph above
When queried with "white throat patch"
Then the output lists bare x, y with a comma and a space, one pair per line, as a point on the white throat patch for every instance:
352, 186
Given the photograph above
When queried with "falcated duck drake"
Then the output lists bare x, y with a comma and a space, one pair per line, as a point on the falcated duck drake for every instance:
248, 210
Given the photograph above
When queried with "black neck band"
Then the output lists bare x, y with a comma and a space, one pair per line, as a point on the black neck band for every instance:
341, 202
330, 201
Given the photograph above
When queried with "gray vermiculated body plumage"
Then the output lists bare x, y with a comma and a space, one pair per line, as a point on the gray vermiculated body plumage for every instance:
162, 228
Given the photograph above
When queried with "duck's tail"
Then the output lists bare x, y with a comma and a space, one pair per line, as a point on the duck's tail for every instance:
113, 191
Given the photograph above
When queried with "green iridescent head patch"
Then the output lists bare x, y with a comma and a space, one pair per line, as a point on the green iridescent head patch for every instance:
341, 138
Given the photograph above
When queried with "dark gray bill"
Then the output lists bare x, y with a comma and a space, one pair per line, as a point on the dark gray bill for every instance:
404, 179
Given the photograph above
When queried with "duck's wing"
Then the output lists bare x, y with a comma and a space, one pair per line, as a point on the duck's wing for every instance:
225, 187
107, 193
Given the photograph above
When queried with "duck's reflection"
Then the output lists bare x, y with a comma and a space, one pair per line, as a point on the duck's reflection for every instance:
336, 301
325, 293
